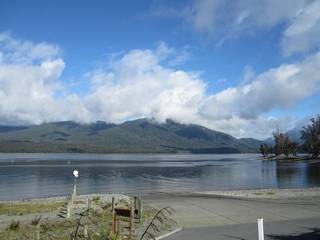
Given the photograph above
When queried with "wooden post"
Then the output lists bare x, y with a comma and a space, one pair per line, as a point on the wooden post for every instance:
118, 226
38, 231
130, 226
85, 232
112, 204
88, 206
88, 203
137, 208
131, 219
140, 209
114, 222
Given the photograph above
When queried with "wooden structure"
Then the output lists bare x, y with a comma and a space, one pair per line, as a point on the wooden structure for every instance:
137, 208
122, 212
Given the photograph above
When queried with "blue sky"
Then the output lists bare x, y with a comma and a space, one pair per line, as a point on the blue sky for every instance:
243, 67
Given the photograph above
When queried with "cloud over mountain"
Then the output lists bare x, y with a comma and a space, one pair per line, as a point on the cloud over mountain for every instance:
143, 83
279, 87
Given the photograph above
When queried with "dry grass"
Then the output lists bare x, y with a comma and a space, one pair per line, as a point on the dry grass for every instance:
28, 208
99, 222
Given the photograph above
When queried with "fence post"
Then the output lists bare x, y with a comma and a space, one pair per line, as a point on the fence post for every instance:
38, 231
112, 204
85, 232
137, 208
88, 203
260, 229
74, 190
69, 209
71, 200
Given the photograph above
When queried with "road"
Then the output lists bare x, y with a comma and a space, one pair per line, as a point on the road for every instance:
210, 217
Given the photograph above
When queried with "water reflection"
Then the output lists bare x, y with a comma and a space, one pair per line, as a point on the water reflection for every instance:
313, 173
42, 175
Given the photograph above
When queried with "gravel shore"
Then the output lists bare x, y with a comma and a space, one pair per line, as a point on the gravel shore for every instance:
290, 193
267, 193
103, 197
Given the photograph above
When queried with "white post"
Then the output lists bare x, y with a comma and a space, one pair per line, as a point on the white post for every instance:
76, 175
75, 187
260, 229
69, 209
71, 200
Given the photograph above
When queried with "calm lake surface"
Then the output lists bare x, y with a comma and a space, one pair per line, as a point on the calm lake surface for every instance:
24, 176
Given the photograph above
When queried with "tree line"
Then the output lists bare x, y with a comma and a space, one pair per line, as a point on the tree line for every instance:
310, 135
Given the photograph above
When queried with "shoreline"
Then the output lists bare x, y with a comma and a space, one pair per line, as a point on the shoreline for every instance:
291, 158
264, 193
194, 211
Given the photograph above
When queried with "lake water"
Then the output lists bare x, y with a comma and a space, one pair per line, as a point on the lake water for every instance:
24, 176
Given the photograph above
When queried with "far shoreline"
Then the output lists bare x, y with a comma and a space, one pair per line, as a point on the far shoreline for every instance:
292, 159
134, 153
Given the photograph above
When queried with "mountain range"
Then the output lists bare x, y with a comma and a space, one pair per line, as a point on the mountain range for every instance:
137, 136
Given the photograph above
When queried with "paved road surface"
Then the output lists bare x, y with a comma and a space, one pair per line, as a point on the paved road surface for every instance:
205, 217
305, 229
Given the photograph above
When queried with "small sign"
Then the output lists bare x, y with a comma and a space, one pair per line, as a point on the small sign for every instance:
123, 212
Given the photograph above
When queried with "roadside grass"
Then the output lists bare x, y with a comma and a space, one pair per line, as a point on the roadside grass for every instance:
271, 193
264, 193
59, 230
19, 209
258, 193
98, 224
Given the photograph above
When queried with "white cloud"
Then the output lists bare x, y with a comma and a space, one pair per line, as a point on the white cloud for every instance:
29, 81
137, 85
229, 19
280, 87
303, 32
236, 16
142, 83
26, 52
260, 127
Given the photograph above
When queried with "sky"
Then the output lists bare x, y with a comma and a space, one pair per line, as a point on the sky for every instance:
241, 67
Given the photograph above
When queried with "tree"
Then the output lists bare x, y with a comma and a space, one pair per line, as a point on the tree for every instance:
266, 150
280, 140
311, 136
262, 150
293, 148
283, 145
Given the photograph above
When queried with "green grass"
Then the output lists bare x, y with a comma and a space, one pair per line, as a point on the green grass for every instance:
28, 208
56, 230
266, 193
271, 193
99, 222
258, 193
